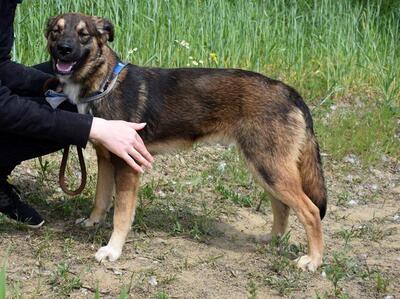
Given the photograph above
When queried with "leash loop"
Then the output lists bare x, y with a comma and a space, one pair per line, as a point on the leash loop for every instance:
61, 176
55, 99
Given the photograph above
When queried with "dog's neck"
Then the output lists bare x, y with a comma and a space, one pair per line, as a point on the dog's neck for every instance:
88, 82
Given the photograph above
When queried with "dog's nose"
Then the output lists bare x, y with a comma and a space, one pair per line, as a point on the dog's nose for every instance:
64, 49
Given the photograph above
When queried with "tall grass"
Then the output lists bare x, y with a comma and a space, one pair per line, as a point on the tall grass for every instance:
315, 45
326, 49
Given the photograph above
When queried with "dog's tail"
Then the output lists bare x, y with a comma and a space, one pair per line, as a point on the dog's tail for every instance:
312, 175
310, 165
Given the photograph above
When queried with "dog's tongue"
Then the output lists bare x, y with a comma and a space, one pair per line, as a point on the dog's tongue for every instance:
64, 67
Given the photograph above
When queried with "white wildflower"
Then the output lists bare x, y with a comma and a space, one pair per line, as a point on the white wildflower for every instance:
222, 166
153, 281
183, 43
131, 51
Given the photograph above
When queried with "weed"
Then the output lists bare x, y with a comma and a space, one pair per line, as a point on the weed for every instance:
368, 231
381, 283
45, 168
168, 279
64, 280
343, 198
97, 292
124, 294
288, 279
339, 268
226, 193
161, 295
252, 289
280, 246
284, 276
3, 282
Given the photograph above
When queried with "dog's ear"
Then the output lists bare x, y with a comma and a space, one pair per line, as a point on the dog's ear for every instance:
51, 22
105, 28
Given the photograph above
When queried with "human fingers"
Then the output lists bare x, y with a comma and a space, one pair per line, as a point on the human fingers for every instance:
137, 126
141, 147
138, 157
131, 162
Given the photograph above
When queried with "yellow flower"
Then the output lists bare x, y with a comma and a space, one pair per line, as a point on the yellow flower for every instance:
213, 57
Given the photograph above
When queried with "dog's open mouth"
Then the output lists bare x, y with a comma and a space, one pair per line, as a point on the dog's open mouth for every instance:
64, 67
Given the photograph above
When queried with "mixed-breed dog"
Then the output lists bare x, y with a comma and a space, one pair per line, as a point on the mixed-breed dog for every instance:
267, 120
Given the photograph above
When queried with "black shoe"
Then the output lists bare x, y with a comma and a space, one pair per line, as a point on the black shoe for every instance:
12, 206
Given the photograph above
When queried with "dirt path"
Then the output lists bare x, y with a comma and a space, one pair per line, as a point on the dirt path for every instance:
195, 236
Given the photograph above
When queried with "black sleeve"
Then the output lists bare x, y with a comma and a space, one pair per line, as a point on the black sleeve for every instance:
27, 117
20, 79
23, 80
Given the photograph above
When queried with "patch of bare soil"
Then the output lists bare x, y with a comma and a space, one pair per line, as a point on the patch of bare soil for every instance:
190, 240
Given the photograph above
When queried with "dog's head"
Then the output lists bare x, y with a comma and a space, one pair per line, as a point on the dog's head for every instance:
75, 39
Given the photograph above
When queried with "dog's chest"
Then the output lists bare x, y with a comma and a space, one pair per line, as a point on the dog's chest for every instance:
73, 90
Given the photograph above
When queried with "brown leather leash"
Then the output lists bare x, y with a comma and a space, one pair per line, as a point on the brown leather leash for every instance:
61, 176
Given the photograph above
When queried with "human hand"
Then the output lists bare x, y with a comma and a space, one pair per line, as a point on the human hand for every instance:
120, 137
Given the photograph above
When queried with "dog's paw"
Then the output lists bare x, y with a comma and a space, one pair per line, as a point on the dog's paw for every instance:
87, 222
107, 252
309, 263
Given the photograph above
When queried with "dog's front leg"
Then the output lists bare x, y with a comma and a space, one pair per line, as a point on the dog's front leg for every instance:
126, 183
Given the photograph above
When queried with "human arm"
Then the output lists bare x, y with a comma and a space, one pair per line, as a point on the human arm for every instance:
28, 117
19, 79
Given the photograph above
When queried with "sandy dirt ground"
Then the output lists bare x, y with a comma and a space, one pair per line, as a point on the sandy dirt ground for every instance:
192, 240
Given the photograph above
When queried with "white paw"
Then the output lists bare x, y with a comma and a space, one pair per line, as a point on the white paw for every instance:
107, 252
309, 263
86, 222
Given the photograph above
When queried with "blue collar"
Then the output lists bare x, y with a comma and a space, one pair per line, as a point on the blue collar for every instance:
116, 70
56, 98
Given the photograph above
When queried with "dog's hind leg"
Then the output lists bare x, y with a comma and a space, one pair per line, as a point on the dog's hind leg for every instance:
273, 160
288, 190
104, 191
126, 184
280, 212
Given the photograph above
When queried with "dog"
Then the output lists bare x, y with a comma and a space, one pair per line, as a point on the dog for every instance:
267, 120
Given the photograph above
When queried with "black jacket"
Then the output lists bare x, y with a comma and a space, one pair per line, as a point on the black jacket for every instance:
25, 117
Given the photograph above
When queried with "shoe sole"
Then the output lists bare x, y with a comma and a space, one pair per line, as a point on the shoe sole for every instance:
36, 225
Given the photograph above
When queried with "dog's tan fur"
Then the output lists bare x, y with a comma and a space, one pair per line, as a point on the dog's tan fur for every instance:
266, 119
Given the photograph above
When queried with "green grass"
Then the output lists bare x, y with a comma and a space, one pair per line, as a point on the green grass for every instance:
63, 280
366, 132
315, 45
2, 282
333, 52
